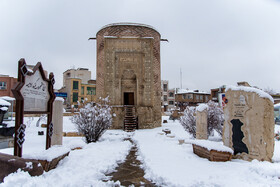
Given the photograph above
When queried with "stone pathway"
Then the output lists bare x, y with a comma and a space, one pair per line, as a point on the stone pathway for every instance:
129, 173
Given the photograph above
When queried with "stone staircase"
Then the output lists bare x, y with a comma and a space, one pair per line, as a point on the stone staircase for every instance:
130, 119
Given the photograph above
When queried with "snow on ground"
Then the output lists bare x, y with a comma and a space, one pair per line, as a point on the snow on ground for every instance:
165, 161
84, 167
169, 164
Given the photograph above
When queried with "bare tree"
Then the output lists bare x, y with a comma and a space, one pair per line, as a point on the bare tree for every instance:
93, 120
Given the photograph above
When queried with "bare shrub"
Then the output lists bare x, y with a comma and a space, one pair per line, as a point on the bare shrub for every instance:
188, 120
93, 120
215, 119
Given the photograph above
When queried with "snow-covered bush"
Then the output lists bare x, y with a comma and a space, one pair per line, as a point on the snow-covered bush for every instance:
215, 119
93, 120
188, 120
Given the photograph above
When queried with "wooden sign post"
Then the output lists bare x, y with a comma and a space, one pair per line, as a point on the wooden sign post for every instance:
34, 95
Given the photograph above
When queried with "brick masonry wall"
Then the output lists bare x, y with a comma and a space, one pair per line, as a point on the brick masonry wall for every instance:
133, 31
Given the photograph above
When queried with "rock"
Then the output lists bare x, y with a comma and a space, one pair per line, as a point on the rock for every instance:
10, 164
49, 165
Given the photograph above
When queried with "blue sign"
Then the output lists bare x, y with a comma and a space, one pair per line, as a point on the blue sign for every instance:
61, 94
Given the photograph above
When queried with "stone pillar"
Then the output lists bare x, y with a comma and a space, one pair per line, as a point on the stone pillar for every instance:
201, 122
57, 122
249, 123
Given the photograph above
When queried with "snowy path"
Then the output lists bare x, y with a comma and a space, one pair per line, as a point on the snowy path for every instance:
130, 172
167, 162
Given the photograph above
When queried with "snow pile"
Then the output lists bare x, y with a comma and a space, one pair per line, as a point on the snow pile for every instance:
49, 154
4, 103
201, 107
209, 145
4, 108
250, 89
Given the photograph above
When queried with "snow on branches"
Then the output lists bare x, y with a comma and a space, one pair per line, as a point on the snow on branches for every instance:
93, 120
188, 120
215, 119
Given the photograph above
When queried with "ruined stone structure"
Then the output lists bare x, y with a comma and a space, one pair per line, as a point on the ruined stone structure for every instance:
249, 123
128, 71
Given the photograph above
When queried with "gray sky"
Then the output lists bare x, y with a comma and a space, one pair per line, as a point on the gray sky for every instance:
214, 42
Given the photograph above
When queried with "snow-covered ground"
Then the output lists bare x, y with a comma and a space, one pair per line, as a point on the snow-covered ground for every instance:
165, 162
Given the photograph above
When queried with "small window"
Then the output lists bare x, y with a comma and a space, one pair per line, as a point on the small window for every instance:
171, 102
75, 96
165, 97
197, 97
75, 85
190, 96
91, 91
206, 98
3, 85
184, 96
165, 87
201, 97
171, 94
83, 90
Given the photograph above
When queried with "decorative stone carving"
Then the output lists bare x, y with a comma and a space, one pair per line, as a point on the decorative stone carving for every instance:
249, 123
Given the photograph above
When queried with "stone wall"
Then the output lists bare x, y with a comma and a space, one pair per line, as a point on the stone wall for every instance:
249, 123
128, 61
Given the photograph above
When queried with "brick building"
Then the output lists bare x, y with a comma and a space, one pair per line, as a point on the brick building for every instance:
128, 71
6, 84
185, 98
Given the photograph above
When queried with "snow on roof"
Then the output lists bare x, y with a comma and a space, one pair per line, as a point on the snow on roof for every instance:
4, 103
128, 23
182, 91
202, 107
7, 98
250, 89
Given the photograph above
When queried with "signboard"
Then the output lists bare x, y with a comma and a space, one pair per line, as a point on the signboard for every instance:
34, 95
61, 94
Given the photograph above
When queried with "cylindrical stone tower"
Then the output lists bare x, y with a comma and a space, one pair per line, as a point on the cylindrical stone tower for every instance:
128, 71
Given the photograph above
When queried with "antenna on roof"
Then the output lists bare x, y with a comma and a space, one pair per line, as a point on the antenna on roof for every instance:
181, 77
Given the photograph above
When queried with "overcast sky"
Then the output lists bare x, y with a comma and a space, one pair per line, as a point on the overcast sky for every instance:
214, 42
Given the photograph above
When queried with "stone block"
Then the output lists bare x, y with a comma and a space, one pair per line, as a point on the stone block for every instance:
10, 164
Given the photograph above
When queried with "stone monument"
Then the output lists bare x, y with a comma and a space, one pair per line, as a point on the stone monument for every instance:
249, 123
201, 122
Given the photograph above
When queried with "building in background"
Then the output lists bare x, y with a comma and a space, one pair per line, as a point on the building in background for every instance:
167, 96
78, 87
215, 93
6, 84
185, 98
